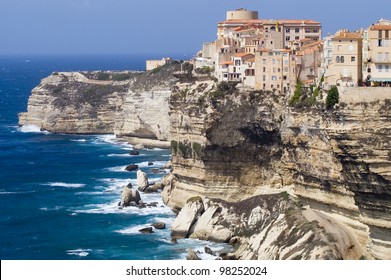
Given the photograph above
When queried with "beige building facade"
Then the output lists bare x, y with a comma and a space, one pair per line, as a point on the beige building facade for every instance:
346, 66
377, 64
272, 70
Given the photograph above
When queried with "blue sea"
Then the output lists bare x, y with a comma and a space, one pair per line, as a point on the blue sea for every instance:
59, 193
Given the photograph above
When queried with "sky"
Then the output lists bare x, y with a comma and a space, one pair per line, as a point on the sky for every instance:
155, 26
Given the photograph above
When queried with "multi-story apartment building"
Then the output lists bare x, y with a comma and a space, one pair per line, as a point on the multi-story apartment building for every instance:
308, 62
273, 70
377, 48
289, 30
346, 65
327, 55
240, 68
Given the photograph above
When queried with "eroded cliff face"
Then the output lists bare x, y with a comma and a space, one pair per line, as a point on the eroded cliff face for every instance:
124, 103
233, 146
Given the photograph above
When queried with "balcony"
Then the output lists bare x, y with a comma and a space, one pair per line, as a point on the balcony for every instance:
346, 74
380, 61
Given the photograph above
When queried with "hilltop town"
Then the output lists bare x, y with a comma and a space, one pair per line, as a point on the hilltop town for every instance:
274, 55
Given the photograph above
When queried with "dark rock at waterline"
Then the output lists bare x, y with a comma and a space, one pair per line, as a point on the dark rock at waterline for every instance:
192, 256
208, 251
159, 225
154, 170
146, 230
151, 190
142, 205
131, 167
134, 153
150, 163
129, 185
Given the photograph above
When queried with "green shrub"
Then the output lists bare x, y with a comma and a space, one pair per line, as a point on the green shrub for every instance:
174, 146
332, 97
184, 149
121, 77
197, 150
103, 76
297, 94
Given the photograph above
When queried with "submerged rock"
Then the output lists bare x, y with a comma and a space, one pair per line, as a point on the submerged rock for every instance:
131, 167
134, 153
159, 225
146, 230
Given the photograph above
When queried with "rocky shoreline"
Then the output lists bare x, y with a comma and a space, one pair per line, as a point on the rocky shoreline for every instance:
275, 181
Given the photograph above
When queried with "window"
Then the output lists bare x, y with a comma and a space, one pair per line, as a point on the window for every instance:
297, 30
387, 35
274, 78
263, 61
342, 59
237, 62
263, 78
264, 69
380, 43
273, 61
386, 57
297, 38
380, 57
386, 43
339, 47
353, 59
287, 30
337, 59
380, 34
274, 70
380, 68
387, 68
287, 38
315, 30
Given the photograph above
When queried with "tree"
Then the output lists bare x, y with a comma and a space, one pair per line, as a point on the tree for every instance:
332, 97
297, 94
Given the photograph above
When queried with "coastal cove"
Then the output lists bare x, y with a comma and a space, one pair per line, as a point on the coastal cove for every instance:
60, 192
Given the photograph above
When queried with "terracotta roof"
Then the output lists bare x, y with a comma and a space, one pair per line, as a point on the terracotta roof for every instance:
380, 27
312, 45
241, 54
247, 27
251, 59
227, 63
270, 21
348, 35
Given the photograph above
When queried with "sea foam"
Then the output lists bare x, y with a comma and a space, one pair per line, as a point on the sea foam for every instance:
64, 185
79, 252
31, 128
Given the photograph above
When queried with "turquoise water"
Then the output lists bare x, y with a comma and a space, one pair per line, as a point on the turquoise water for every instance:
59, 193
